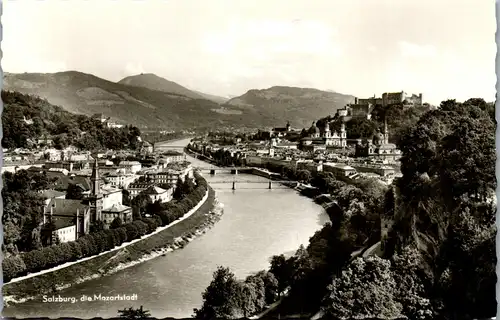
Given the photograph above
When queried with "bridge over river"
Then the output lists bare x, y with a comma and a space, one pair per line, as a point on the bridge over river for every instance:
254, 184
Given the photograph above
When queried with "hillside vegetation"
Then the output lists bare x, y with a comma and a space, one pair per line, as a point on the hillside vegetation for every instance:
86, 94
27, 119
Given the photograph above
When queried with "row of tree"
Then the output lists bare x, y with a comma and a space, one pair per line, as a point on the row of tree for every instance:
100, 241
27, 118
228, 297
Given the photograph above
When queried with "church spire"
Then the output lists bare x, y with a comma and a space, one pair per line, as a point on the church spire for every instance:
95, 178
386, 131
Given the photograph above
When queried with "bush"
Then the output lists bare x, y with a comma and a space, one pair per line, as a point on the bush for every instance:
132, 232
12, 267
116, 223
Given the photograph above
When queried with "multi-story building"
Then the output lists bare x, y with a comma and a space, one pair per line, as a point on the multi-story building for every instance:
130, 166
158, 194
137, 187
120, 179
322, 139
340, 170
170, 157
70, 217
170, 174
379, 147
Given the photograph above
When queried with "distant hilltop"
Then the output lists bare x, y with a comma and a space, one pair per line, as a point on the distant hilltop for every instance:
149, 101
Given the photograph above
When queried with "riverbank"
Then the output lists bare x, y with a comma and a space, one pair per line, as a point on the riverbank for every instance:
175, 236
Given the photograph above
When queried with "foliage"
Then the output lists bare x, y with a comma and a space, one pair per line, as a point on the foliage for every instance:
445, 209
21, 209
64, 128
366, 289
116, 223
220, 299
134, 314
74, 192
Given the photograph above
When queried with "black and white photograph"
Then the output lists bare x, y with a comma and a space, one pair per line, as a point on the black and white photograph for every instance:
249, 159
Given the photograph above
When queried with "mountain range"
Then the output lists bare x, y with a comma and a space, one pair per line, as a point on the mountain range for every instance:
149, 101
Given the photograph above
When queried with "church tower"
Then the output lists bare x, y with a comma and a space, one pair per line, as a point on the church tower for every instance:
343, 135
95, 198
386, 132
288, 127
327, 130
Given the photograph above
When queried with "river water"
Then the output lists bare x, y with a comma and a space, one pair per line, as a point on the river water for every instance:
257, 223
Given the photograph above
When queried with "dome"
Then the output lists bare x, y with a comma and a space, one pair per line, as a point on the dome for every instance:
316, 130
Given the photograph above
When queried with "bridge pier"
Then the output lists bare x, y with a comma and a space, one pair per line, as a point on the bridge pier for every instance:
234, 185
212, 171
234, 171
270, 185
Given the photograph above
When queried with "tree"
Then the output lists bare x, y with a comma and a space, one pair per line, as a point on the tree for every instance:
468, 158
116, 223
283, 271
74, 192
366, 289
221, 298
409, 273
134, 314
96, 226
304, 176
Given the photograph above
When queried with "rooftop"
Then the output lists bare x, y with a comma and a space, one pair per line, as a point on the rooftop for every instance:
117, 207
154, 190
63, 222
64, 207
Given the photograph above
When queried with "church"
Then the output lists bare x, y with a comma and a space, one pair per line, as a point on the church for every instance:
73, 218
106, 204
321, 139
379, 147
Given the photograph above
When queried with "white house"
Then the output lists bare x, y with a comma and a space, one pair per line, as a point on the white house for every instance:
131, 166
157, 193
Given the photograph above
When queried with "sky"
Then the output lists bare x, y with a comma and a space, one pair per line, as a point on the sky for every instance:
443, 49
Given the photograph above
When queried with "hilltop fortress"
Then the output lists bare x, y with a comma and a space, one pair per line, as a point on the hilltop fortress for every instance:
362, 108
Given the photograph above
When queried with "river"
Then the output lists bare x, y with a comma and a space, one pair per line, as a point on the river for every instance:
257, 223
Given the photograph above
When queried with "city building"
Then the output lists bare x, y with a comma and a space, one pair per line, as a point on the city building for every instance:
339, 170
130, 166
137, 187
158, 194
379, 147
70, 217
105, 203
321, 139
120, 179
281, 132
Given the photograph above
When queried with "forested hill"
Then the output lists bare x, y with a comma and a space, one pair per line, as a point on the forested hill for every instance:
27, 119
146, 107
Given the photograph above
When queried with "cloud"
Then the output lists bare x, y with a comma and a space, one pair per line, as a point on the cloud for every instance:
134, 68
417, 51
